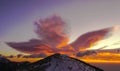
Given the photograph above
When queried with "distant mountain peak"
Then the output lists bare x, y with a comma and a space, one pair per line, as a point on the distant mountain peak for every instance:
3, 59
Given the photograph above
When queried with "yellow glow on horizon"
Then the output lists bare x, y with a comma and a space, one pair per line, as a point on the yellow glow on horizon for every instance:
25, 59
102, 58
105, 57
99, 61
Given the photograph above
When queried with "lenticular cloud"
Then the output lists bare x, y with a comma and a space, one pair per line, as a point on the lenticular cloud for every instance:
53, 38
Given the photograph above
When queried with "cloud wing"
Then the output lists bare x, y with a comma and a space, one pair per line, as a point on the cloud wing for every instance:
91, 38
32, 46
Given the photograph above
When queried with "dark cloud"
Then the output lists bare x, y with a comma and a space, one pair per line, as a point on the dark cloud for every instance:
10, 56
35, 56
86, 53
19, 55
103, 47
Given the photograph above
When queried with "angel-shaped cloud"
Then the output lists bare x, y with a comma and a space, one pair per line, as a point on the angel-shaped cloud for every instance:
53, 38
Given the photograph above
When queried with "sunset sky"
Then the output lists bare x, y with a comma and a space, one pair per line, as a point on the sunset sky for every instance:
17, 19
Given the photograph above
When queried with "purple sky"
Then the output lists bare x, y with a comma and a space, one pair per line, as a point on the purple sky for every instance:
17, 13
17, 17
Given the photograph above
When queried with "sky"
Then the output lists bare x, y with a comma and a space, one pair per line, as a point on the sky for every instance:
17, 18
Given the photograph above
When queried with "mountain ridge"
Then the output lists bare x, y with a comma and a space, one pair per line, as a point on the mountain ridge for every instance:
56, 62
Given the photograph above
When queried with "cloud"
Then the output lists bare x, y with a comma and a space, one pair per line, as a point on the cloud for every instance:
52, 30
32, 46
91, 38
86, 53
35, 56
19, 55
53, 38
35, 46
117, 43
11, 56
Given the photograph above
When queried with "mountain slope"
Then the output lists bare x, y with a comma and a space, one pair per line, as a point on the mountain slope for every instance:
59, 62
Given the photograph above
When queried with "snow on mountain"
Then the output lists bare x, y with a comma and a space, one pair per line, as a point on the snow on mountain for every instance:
59, 62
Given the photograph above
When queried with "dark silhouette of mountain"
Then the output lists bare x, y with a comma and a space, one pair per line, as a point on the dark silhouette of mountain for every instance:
56, 62
7, 65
